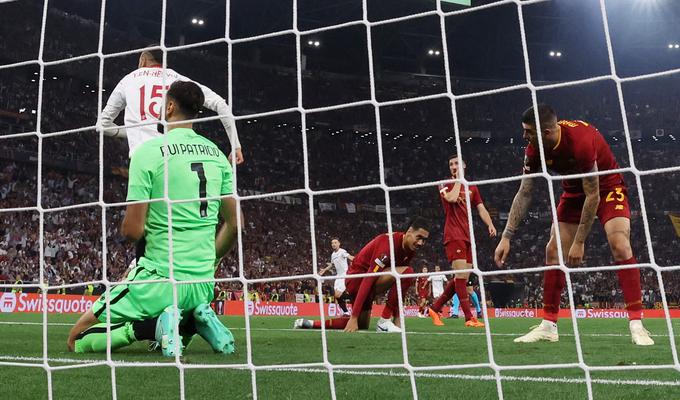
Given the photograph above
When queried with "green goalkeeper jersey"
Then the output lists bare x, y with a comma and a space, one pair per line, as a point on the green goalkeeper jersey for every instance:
196, 168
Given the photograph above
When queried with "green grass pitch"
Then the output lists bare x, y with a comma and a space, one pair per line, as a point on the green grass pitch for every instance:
604, 343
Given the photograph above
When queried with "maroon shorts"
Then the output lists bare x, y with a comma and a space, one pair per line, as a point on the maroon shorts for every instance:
613, 203
458, 250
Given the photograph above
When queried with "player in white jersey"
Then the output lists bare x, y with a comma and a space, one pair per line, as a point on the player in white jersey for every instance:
140, 94
437, 282
339, 259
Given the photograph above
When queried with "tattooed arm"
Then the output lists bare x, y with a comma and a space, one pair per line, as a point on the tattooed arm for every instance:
518, 210
591, 188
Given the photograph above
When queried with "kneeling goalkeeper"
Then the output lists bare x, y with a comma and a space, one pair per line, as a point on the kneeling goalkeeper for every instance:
196, 169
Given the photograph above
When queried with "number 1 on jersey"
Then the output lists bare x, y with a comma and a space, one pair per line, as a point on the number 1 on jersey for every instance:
198, 169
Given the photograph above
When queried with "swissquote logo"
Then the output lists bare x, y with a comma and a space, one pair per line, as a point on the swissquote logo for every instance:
8, 302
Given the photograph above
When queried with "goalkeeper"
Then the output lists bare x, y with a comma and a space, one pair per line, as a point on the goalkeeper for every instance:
196, 168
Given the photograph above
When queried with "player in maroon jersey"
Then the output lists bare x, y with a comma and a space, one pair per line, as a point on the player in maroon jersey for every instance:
457, 242
423, 288
573, 147
375, 257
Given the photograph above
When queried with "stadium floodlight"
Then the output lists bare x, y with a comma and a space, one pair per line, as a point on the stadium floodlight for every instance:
670, 45
201, 22
310, 42
677, 46
552, 54
194, 21
54, 78
558, 54
317, 43
430, 52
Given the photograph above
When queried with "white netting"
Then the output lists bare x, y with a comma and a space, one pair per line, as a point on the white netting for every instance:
310, 193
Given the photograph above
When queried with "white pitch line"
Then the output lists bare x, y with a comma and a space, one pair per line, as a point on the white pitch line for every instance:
621, 382
366, 332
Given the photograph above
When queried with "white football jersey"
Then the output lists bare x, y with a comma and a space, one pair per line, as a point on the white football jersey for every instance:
339, 260
140, 93
437, 283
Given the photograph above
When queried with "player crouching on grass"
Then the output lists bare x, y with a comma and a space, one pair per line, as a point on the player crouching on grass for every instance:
196, 168
375, 257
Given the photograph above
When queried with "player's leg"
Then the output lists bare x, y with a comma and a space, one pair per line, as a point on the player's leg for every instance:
474, 298
340, 295
456, 253
352, 287
618, 236
389, 320
554, 282
460, 282
199, 318
422, 305
455, 306
137, 312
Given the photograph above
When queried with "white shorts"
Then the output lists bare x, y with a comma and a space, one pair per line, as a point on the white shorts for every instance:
339, 285
437, 293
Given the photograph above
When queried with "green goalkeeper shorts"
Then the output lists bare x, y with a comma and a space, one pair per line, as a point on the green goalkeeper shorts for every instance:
148, 300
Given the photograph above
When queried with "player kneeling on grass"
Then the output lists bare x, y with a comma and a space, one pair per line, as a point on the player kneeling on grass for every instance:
196, 168
375, 257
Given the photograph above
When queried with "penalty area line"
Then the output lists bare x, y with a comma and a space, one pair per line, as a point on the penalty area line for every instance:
369, 332
510, 378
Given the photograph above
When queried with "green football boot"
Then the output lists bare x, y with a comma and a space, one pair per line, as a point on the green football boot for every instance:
167, 331
213, 331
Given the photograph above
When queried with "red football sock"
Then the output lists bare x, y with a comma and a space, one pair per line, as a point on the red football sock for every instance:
446, 296
629, 280
392, 306
335, 323
553, 284
462, 293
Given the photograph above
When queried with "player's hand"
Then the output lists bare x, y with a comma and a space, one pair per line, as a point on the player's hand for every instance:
502, 251
352, 325
239, 156
492, 231
575, 257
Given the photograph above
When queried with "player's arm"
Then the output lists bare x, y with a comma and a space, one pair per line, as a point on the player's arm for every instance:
216, 103
226, 237
591, 188
133, 222
140, 183
350, 257
518, 210
114, 106
486, 218
452, 195
363, 294
324, 270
